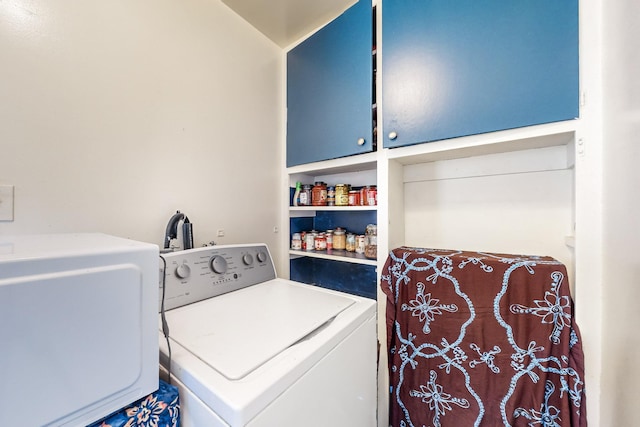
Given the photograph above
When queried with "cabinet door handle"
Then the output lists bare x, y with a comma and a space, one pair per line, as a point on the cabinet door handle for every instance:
361, 141
393, 135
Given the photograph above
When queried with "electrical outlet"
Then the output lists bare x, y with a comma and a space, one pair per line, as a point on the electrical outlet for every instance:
220, 233
6, 202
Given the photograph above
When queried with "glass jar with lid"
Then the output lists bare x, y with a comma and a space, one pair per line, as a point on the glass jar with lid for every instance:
371, 241
339, 239
354, 198
305, 195
329, 236
371, 196
319, 194
296, 242
351, 242
321, 242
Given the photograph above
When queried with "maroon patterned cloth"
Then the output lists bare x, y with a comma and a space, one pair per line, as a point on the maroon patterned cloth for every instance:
481, 339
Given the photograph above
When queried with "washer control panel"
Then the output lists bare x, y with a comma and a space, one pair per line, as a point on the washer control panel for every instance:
196, 274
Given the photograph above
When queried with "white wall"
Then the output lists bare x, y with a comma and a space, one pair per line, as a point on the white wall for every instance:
515, 202
114, 114
621, 165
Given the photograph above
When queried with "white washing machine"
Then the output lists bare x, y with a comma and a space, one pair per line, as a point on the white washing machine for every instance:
249, 349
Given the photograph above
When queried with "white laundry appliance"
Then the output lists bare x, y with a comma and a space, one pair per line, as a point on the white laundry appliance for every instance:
249, 349
78, 331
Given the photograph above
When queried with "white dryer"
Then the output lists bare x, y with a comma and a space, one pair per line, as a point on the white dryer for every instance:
249, 349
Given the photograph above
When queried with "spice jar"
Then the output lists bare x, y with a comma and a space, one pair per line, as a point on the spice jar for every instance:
319, 194
372, 196
339, 239
363, 196
321, 242
329, 236
342, 194
354, 198
371, 241
351, 242
296, 242
305, 195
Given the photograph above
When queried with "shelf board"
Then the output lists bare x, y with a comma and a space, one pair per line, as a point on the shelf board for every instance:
332, 208
547, 135
357, 163
335, 255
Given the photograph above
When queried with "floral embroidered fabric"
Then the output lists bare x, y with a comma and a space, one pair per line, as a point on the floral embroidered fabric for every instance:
159, 409
481, 339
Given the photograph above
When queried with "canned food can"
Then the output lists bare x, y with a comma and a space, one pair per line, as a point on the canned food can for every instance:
342, 195
310, 239
331, 196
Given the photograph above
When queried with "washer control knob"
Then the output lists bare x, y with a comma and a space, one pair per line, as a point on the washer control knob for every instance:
218, 264
247, 259
183, 271
262, 256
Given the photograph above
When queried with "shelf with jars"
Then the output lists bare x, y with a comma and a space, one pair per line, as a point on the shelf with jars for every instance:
337, 245
337, 234
344, 203
335, 255
344, 210
331, 208
340, 195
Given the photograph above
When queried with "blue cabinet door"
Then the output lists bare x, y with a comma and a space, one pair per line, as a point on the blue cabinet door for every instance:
452, 68
329, 90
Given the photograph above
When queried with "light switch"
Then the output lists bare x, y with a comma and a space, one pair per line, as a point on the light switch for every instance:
6, 202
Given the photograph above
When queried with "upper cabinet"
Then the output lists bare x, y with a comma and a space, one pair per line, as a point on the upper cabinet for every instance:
462, 67
330, 90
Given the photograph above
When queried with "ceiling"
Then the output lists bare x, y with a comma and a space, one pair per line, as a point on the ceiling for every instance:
287, 21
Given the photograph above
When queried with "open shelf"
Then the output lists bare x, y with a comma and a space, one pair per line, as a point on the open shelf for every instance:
357, 163
540, 136
332, 208
336, 255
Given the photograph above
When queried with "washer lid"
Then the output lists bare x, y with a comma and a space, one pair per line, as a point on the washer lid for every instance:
235, 333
